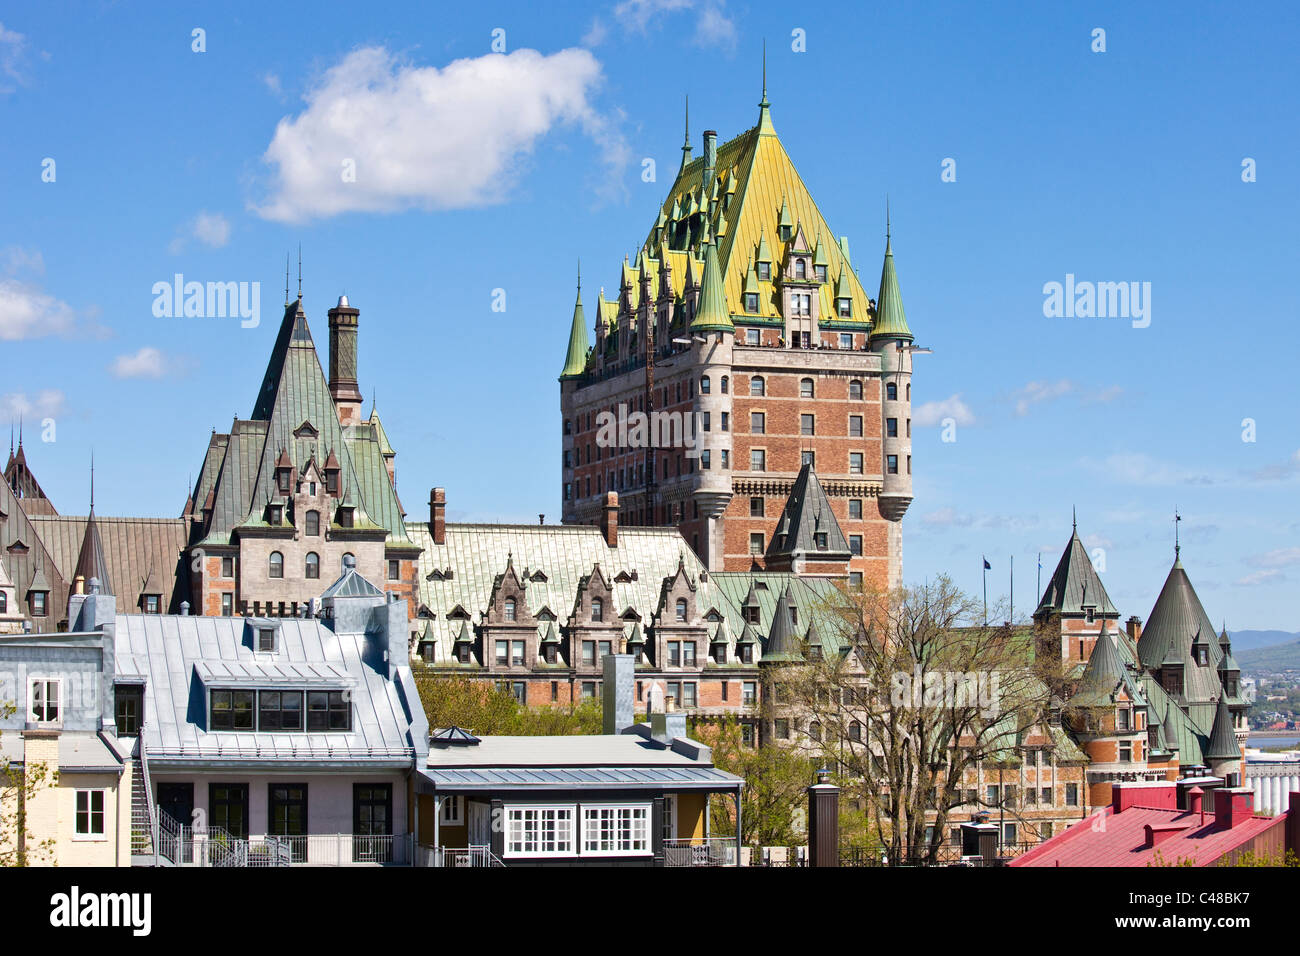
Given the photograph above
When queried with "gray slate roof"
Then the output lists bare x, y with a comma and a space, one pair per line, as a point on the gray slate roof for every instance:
1075, 584
806, 514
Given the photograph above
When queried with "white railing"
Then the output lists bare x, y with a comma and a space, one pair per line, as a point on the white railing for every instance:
449, 856
213, 847
700, 851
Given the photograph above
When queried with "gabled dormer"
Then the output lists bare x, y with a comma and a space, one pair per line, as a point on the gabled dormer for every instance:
677, 599
507, 605
594, 606
283, 473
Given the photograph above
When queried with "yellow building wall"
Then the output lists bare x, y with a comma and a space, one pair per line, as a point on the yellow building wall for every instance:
52, 812
692, 808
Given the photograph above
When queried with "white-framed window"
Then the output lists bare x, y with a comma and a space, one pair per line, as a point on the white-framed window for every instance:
45, 699
616, 830
539, 831
452, 813
89, 823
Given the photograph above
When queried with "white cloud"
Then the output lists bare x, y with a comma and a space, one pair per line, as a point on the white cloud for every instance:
711, 25
47, 403
212, 229
1277, 558
27, 312
1035, 393
1270, 576
272, 83
1136, 468
429, 138
15, 260
1280, 471
933, 413
13, 55
148, 362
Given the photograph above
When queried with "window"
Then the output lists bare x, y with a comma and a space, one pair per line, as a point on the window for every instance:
855, 544
756, 542
1045, 796
756, 507
589, 689
855, 390
674, 653
311, 525
891, 463
313, 565
279, 710
503, 653
277, 514
266, 640
891, 427
589, 653
764, 271
690, 694
597, 609
821, 538
1008, 833
757, 423
228, 566
756, 386
282, 476
1121, 718
805, 388
749, 693
855, 579
726, 387
231, 710
328, 710
38, 603
808, 458
781, 728
706, 459
332, 482
286, 816
815, 731
510, 609
706, 420
128, 705
452, 813
807, 425
4, 602
855, 462
394, 569
345, 517
276, 565
752, 335
705, 386
757, 459
539, 831
1071, 794
152, 603
681, 609
1125, 751
751, 303
372, 816
845, 307
45, 697
90, 813
800, 269
891, 392
855, 508
604, 649
227, 604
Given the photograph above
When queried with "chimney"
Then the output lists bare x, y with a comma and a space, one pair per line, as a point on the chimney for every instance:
185, 608
617, 693
1134, 627
343, 361
1196, 802
609, 519
710, 159
670, 725
1152, 794
1232, 807
438, 515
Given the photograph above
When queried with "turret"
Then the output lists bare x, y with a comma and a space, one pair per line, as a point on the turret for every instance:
575, 364
712, 338
891, 339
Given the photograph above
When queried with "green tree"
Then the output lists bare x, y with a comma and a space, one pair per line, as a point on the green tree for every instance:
485, 709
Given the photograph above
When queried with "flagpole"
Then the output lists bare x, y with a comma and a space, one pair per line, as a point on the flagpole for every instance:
986, 591
1040, 574
1013, 589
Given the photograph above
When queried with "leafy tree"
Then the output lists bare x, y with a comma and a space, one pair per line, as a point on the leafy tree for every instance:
18, 787
484, 708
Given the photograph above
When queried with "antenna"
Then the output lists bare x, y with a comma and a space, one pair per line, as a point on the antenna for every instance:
300, 272
92, 481
286, 279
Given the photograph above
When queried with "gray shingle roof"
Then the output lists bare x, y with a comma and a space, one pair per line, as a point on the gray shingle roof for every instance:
807, 514
1074, 584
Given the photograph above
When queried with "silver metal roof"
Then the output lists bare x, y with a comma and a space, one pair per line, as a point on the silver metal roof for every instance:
581, 778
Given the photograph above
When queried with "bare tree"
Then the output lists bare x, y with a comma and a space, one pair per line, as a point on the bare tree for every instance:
19, 785
909, 695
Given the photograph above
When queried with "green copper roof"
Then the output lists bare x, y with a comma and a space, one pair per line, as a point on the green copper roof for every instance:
1074, 584
764, 251
843, 288
1223, 742
712, 314
819, 256
785, 220
751, 280
1177, 621
782, 641
575, 362
890, 320
1103, 677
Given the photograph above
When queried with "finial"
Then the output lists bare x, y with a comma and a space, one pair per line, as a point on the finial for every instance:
1074, 518
20, 431
1177, 546
886, 218
764, 103
286, 279
580, 277
92, 481
300, 272
686, 142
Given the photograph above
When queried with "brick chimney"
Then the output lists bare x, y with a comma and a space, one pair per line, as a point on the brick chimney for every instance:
438, 515
343, 361
1233, 806
1134, 627
609, 519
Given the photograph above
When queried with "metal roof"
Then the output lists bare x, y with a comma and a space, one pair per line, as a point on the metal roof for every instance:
581, 778
1074, 584
1177, 620
808, 513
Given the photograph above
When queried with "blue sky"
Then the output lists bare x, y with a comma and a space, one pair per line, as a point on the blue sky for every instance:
477, 172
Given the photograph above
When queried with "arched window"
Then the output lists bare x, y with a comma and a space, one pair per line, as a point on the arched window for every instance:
805, 388
756, 385
855, 390
705, 387
597, 609
726, 383
510, 609
313, 564
891, 392
312, 524
681, 609
277, 565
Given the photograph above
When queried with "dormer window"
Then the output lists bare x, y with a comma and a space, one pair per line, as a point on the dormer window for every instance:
311, 524
820, 272
800, 269
37, 600
332, 481
597, 609
681, 610
275, 514
266, 639
283, 477
346, 517
822, 542
751, 301
844, 306
510, 609
151, 603
764, 271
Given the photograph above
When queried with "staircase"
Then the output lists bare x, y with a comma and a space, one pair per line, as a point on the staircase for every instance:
144, 829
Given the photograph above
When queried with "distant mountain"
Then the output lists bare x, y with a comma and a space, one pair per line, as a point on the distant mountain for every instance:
1245, 640
1271, 659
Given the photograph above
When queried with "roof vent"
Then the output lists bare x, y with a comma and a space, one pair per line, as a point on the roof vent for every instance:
349, 561
343, 302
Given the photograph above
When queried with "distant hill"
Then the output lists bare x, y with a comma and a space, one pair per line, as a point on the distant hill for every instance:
1246, 640
1278, 657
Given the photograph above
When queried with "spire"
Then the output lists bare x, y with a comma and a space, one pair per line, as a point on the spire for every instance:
91, 560
781, 640
764, 107
575, 362
1177, 546
686, 143
712, 315
1223, 742
890, 320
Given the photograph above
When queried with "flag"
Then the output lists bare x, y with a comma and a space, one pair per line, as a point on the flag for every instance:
987, 566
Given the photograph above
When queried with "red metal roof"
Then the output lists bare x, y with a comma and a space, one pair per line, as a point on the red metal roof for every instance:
1119, 839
